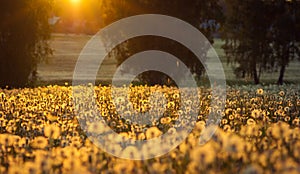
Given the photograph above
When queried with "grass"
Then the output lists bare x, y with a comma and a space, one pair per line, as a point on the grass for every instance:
292, 74
59, 67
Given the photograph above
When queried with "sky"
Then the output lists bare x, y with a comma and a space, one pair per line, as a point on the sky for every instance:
77, 14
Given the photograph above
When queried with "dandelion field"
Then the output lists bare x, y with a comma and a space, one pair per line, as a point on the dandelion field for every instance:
259, 132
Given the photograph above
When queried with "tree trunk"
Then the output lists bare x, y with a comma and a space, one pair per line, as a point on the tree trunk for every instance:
281, 75
255, 75
243, 74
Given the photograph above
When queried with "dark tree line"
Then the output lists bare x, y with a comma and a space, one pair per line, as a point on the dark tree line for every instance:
261, 36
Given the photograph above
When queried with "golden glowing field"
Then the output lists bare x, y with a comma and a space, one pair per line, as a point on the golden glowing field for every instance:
259, 133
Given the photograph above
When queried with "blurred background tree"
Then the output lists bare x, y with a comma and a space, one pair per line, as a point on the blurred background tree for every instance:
284, 43
260, 36
246, 37
195, 12
24, 35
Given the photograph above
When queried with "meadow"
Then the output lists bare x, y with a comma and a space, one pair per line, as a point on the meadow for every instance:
41, 132
259, 132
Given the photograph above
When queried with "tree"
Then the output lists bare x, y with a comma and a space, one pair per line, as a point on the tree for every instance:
24, 34
194, 12
246, 37
284, 41
260, 36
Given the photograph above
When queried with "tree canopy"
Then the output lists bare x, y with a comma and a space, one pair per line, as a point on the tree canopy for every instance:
194, 12
261, 36
24, 34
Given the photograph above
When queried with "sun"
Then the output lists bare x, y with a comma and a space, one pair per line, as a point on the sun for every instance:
75, 2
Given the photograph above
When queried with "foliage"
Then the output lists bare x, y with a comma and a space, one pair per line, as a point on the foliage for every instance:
285, 43
194, 12
260, 36
24, 34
